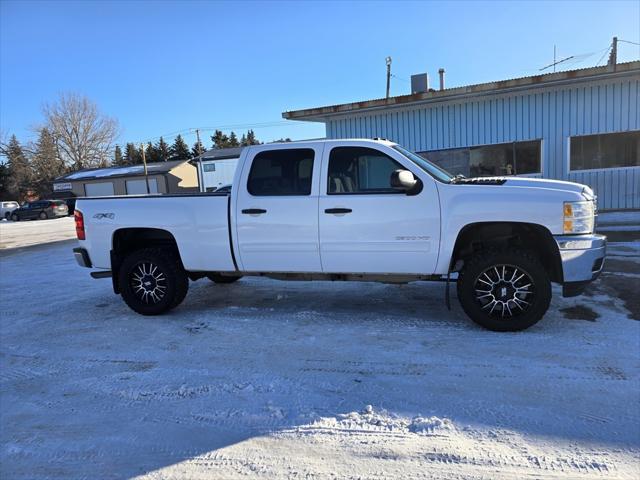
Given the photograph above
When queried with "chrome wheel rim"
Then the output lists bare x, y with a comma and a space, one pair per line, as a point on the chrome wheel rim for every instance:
504, 291
148, 283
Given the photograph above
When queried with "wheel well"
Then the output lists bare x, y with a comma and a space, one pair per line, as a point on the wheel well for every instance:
536, 238
127, 240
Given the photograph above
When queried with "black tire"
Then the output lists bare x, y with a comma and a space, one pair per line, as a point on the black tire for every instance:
159, 268
15, 218
503, 301
223, 278
43, 216
7, 216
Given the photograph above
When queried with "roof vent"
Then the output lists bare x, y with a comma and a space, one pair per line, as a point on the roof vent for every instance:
419, 83
441, 73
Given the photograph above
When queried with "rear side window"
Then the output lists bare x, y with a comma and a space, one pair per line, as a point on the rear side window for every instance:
281, 172
360, 170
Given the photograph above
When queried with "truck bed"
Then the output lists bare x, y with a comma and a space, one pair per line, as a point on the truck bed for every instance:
199, 222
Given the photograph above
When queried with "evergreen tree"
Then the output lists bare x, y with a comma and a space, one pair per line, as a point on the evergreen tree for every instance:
163, 149
4, 182
19, 169
46, 163
132, 155
118, 159
243, 140
220, 140
197, 149
180, 150
251, 138
233, 140
152, 154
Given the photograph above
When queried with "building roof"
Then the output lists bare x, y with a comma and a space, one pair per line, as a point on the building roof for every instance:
220, 154
319, 114
128, 171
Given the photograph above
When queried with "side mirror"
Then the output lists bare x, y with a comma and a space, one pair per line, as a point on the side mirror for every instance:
405, 180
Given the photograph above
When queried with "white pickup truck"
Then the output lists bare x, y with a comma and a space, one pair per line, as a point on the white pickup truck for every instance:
354, 210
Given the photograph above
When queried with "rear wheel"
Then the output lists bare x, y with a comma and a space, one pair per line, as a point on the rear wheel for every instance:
504, 290
7, 216
152, 281
43, 216
223, 278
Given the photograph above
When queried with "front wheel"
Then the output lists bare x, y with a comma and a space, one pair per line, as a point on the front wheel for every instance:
152, 281
504, 290
15, 218
43, 216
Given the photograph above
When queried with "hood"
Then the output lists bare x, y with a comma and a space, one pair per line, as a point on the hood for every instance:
550, 184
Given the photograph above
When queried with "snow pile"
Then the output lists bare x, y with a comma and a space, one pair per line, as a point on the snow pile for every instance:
382, 421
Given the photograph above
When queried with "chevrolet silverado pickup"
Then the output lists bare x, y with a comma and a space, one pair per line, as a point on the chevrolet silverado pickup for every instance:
351, 210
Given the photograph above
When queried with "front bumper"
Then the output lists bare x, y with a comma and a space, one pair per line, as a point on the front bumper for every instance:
582, 259
82, 257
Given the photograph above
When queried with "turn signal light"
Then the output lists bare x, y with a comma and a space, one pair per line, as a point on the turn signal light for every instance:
77, 215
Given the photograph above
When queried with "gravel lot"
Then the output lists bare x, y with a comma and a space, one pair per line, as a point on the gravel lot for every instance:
264, 379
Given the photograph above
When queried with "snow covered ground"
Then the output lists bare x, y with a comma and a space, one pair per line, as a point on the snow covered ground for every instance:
267, 379
34, 232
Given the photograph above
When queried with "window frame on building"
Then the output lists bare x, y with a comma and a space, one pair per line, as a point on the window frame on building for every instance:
513, 144
599, 169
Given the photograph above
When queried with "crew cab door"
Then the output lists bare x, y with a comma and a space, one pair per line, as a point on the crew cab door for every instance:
368, 227
276, 210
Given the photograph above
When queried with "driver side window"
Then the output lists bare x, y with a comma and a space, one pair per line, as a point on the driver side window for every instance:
360, 170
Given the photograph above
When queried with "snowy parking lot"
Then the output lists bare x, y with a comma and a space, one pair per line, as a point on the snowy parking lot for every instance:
263, 379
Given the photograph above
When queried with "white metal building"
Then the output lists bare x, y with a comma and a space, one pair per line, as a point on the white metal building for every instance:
217, 167
580, 125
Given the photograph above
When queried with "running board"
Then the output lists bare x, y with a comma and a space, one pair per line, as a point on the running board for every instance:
101, 274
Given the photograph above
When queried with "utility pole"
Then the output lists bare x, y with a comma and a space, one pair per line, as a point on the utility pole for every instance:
388, 60
200, 172
613, 55
144, 163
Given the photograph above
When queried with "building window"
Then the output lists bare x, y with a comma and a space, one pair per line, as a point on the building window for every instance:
610, 150
281, 172
139, 186
360, 170
209, 167
515, 158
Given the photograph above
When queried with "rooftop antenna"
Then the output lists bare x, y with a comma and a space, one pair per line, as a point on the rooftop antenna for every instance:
556, 62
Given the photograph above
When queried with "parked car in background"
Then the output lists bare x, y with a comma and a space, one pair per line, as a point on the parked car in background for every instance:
6, 208
40, 209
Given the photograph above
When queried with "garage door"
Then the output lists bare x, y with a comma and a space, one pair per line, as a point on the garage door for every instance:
98, 189
139, 187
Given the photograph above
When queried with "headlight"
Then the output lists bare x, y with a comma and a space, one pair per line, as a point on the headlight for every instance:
578, 217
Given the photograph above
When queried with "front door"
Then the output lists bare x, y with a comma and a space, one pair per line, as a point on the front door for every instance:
368, 227
277, 209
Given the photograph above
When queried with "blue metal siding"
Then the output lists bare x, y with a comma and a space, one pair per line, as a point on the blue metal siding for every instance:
550, 114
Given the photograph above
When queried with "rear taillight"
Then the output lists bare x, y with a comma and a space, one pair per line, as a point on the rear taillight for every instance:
77, 215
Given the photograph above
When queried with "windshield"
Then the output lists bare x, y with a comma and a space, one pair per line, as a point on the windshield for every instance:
431, 168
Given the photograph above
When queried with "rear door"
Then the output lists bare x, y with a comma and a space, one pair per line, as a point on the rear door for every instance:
276, 209
368, 227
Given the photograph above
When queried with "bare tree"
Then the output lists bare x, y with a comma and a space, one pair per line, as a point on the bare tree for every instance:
83, 134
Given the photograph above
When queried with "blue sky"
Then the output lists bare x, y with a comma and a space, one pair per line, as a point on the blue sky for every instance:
165, 66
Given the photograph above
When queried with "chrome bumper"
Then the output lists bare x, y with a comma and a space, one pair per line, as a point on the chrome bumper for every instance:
582, 260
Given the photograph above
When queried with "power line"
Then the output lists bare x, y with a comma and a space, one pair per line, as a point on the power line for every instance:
605, 53
627, 41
